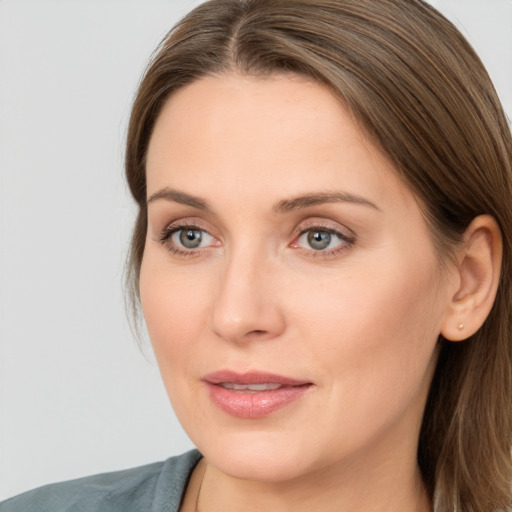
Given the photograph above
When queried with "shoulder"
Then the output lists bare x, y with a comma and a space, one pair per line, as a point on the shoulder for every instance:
154, 487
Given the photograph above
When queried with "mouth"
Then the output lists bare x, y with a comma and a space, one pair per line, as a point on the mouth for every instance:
250, 387
253, 394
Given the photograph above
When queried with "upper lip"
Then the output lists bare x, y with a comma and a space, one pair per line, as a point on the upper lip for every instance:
251, 377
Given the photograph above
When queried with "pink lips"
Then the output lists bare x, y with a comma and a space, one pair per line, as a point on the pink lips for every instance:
253, 394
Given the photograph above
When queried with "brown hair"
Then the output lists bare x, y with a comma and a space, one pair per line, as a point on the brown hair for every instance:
422, 94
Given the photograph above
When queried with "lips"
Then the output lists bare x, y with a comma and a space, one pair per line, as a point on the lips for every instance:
253, 394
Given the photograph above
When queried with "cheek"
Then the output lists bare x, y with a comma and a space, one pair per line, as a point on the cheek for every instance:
174, 306
374, 323
370, 337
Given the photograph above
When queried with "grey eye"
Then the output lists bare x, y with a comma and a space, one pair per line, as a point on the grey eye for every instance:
190, 238
322, 240
319, 240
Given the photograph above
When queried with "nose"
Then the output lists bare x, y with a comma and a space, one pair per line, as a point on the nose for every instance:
246, 305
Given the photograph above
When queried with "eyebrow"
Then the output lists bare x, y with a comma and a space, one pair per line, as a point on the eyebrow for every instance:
179, 197
322, 198
286, 205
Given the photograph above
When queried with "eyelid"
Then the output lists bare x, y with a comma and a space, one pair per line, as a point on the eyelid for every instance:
325, 225
186, 222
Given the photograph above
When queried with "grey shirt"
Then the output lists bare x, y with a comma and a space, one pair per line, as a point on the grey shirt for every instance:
157, 487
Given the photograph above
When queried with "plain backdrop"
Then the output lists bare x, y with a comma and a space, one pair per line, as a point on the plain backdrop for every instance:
76, 394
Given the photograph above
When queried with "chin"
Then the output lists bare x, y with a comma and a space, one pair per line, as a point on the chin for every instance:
256, 456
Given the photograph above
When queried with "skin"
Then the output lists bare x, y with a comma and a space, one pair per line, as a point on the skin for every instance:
360, 320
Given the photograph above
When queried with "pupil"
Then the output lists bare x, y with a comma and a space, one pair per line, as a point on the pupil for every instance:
190, 238
319, 240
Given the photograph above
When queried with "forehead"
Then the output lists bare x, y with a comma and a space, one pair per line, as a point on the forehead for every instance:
280, 134
270, 108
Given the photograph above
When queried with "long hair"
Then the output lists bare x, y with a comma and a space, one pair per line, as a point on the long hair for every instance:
420, 92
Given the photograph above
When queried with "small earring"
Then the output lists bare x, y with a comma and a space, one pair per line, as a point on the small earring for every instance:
461, 326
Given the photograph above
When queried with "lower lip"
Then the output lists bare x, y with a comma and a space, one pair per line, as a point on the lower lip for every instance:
254, 404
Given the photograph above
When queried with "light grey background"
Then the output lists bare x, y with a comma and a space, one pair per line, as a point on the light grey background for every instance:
76, 395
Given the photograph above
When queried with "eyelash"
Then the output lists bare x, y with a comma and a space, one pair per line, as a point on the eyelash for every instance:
347, 241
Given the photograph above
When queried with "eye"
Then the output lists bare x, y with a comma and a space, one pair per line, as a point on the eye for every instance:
186, 240
191, 238
319, 240
323, 240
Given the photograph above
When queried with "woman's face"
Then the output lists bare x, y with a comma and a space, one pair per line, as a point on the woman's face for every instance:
289, 283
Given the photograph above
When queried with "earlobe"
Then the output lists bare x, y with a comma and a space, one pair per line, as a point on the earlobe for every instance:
479, 273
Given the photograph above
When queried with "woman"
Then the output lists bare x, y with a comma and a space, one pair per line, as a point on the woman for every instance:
322, 253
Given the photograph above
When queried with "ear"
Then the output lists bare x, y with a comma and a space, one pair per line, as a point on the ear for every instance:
479, 267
